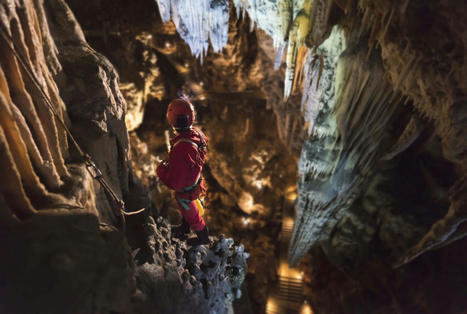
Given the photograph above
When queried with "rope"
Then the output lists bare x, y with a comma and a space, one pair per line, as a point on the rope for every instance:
87, 159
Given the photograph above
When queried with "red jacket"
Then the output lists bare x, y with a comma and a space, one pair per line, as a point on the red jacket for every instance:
184, 165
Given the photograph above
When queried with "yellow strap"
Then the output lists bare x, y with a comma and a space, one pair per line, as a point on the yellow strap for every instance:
200, 207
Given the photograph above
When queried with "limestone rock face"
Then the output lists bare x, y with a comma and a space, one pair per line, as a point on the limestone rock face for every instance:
404, 198
56, 223
423, 130
170, 277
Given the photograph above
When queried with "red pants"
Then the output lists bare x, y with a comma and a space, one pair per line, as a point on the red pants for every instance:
190, 212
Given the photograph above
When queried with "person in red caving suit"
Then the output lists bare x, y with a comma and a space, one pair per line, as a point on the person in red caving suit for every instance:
181, 172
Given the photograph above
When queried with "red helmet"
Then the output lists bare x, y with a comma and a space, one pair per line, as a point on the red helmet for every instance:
180, 113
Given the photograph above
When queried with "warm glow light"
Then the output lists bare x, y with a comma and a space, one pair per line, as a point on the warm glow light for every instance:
246, 221
287, 223
246, 202
291, 193
306, 309
258, 184
271, 306
286, 271
167, 44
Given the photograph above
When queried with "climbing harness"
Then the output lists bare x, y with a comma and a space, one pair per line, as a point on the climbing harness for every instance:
184, 202
200, 148
91, 167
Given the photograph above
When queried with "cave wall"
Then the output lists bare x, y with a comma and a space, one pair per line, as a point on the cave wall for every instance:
57, 226
373, 197
419, 97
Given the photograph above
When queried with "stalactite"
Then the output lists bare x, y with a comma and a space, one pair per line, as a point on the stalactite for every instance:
362, 107
284, 11
198, 22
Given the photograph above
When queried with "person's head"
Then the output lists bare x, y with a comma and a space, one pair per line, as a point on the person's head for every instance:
181, 114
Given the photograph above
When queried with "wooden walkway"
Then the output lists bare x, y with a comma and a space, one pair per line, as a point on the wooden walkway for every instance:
287, 297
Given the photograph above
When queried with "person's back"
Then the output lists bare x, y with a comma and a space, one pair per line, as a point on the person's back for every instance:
182, 170
186, 160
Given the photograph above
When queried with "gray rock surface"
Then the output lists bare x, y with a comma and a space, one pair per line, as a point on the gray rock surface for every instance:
174, 278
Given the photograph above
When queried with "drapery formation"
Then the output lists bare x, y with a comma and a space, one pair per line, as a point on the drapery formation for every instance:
33, 145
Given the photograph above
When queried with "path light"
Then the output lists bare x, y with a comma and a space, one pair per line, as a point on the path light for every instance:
306, 309
272, 306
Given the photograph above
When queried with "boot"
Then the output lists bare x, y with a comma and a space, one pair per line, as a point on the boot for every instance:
181, 230
202, 237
